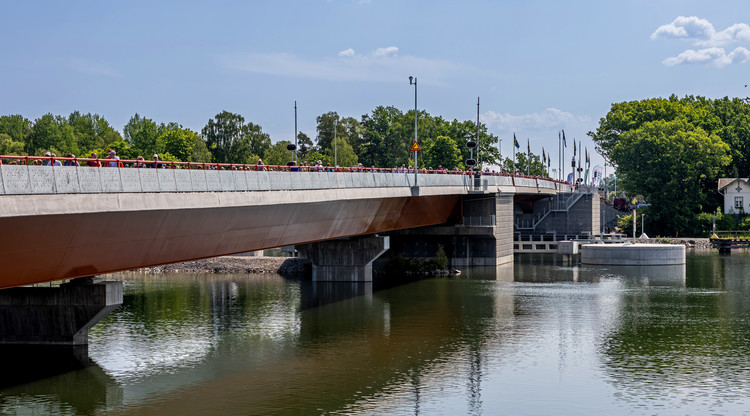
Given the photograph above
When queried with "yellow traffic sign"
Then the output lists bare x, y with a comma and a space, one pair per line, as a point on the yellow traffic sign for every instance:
415, 147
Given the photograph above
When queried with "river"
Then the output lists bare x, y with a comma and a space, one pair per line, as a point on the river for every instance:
540, 337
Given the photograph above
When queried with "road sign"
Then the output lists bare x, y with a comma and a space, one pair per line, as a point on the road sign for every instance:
415, 147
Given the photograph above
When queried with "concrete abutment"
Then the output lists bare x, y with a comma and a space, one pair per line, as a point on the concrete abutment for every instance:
481, 236
346, 259
56, 315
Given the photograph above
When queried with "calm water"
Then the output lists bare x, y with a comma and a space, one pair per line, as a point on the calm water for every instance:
537, 338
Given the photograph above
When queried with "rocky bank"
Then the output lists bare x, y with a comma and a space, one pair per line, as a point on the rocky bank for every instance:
237, 264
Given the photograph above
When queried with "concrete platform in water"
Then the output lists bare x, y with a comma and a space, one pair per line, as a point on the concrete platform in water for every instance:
632, 254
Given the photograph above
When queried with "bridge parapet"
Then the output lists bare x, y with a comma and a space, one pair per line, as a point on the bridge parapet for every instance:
31, 179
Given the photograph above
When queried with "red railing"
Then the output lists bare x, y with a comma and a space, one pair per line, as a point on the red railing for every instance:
128, 163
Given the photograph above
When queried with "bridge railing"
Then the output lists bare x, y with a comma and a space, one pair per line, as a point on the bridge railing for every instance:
30, 178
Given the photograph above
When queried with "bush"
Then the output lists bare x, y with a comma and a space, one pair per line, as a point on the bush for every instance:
441, 259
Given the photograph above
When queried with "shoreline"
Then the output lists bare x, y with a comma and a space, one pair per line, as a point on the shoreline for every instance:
237, 264
297, 265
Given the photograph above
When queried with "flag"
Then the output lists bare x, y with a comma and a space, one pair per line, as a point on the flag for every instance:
544, 156
587, 156
574, 149
549, 161
528, 146
515, 142
564, 144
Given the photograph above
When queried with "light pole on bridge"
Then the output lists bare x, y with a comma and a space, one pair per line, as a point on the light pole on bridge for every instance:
415, 124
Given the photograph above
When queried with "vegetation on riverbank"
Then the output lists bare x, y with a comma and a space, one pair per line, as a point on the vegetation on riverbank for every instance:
672, 151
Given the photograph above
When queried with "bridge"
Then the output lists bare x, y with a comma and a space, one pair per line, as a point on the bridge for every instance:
66, 222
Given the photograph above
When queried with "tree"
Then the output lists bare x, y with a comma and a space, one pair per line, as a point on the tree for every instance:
278, 154
8, 146
387, 143
15, 126
51, 133
142, 134
178, 142
91, 131
344, 156
327, 128
524, 163
304, 145
673, 164
199, 151
444, 152
258, 141
230, 140
221, 133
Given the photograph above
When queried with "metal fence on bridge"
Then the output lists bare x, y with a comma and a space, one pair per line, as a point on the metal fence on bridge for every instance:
35, 179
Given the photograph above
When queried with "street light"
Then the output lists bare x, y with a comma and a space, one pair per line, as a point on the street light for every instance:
415, 124
335, 148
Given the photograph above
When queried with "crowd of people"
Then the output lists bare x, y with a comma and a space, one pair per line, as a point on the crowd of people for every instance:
112, 160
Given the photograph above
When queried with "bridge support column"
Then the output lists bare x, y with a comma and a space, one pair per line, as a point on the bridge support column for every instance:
484, 236
56, 315
344, 260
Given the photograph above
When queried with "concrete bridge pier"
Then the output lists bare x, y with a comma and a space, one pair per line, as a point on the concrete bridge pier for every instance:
482, 235
56, 315
346, 259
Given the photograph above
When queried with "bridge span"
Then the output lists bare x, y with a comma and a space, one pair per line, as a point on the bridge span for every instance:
65, 222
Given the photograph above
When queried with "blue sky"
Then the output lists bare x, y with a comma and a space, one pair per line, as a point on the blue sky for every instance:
538, 66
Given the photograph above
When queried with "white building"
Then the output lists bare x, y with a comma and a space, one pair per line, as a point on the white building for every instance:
736, 195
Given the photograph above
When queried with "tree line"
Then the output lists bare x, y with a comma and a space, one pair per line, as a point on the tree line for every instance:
672, 151
381, 138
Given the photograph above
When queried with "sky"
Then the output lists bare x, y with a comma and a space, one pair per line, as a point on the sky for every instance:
537, 67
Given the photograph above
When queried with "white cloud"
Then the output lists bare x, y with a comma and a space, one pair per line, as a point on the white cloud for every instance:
715, 56
701, 33
389, 51
90, 67
691, 28
550, 118
380, 65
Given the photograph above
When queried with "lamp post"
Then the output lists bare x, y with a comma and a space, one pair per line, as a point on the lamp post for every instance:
415, 124
335, 148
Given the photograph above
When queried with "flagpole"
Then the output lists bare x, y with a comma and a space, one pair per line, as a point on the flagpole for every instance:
559, 148
528, 157
580, 168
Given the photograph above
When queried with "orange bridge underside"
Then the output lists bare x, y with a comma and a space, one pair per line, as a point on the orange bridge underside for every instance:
46, 248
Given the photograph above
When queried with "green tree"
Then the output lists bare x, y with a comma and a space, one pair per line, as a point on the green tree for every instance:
179, 142
344, 156
15, 126
277, 154
524, 163
230, 140
51, 133
92, 131
142, 134
387, 144
444, 152
305, 145
673, 164
8, 146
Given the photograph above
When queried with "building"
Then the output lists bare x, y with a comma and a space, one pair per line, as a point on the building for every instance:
736, 193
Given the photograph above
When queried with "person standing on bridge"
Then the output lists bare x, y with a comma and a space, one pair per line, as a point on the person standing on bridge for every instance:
93, 163
260, 166
115, 161
157, 165
71, 162
52, 161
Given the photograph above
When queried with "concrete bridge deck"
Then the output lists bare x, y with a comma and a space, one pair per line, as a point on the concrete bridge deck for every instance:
66, 222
